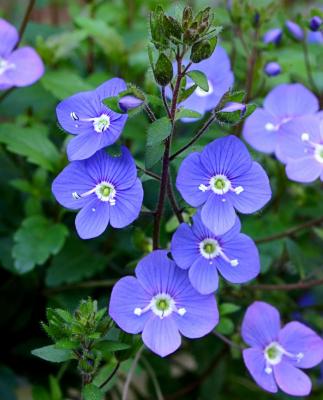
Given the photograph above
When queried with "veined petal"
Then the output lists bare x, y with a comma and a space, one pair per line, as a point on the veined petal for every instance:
161, 335
304, 170
73, 178
243, 249
297, 338
204, 276
256, 190
228, 156
93, 219
28, 67
127, 294
83, 146
292, 380
128, 205
191, 175
9, 38
111, 88
255, 363
218, 215
261, 324
184, 246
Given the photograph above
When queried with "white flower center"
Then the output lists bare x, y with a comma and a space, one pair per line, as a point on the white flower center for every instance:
202, 93
220, 184
100, 124
274, 353
269, 126
5, 66
317, 147
210, 248
105, 191
161, 305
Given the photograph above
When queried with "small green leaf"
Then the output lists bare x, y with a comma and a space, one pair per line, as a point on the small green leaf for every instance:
53, 354
158, 131
200, 79
185, 113
228, 308
226, 326
92, 392
186, 93
109, 346
37, 239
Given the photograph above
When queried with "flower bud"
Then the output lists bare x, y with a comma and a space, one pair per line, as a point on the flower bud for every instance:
315, 23
233, 106
272, 69
273, 36
190, 35
201, 51
295, 30
187, 17
129, 102
172, 27
163, 71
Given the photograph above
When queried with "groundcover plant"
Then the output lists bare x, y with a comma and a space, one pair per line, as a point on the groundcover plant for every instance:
161, 208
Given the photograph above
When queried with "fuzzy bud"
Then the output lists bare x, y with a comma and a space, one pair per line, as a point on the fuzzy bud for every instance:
187, 17
129, 102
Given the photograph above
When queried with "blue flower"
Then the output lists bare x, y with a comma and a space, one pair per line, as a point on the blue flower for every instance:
94, 125
105, 189
221, 179
203, 253
162, 304
278, 355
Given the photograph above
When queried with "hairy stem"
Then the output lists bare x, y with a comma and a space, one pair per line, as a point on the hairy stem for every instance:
291, 231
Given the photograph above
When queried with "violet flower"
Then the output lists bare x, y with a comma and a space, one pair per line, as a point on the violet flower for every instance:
272, 69
295, 30
273, 36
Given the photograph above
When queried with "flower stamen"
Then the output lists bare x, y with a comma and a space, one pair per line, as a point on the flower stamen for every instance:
105, 191
161, 305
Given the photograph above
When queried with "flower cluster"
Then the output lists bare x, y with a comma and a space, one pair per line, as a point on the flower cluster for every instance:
105, 188
278, 355
18, 67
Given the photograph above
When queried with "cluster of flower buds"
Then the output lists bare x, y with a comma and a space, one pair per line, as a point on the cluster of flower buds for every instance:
194, 33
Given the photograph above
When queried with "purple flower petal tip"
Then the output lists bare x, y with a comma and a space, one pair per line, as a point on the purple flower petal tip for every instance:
222, 179
162, 305
21, 67
129, 103
105, 189
315, 23
277, 354
273, 36
272, 68
295, 30
233, 106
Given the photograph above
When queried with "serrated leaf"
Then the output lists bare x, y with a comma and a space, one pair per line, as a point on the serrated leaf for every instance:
185, 113
35, 241
74, 263
63, 83
92, 392
158, 131
53, 354
200, 79
32, 143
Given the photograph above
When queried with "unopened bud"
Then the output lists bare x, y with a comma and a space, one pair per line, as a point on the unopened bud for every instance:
234, 106
129, 102
294, 30
315, 23
272, 69
172, 27
187, 17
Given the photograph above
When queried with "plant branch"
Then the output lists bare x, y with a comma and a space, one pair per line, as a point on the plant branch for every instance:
302, 285
173, 202
226, 340
150, 113
308, 65
151, 373
165, 102
251, 65
130, 373
291, 231
199, 133
150, 173
25, 21
115, 370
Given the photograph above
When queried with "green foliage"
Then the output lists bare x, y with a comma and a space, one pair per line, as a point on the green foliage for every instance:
53, 354
200, 79
35, 241
92, 392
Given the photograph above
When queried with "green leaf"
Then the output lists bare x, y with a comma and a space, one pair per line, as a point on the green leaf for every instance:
158, 131
36, 239
63, 83
92, 392
40, 393
74, 263
200, 79
53, 354
153, 155
31, 142
109, 346
251, 107
55, 390
185, 113
226, 326
228, 308
185, 93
